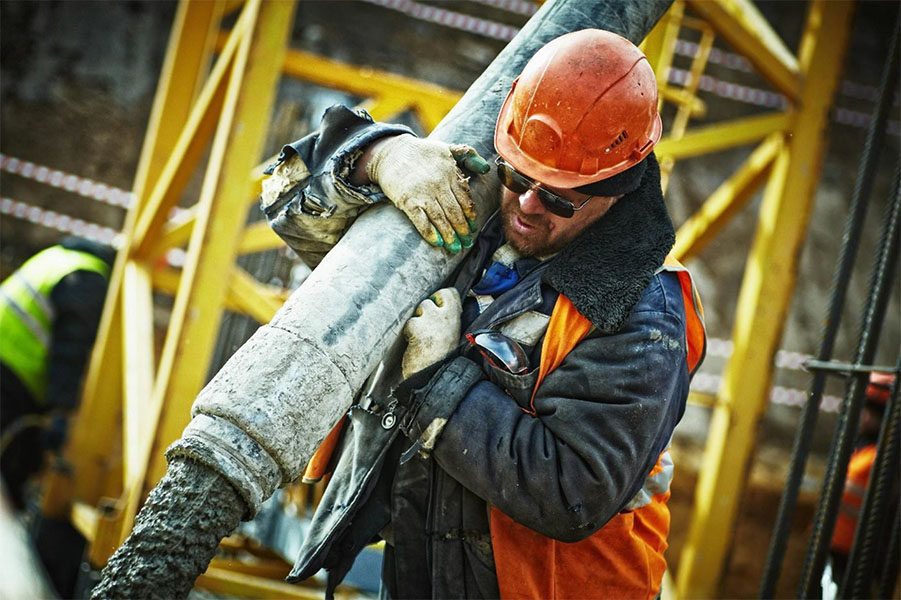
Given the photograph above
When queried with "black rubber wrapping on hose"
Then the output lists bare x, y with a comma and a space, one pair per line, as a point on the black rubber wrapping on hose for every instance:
175, 535
850, 242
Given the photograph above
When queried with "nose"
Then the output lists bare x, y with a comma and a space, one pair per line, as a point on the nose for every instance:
530, 203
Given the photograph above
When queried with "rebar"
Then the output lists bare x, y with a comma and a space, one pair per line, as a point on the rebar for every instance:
850, 243
870, 536
846, 425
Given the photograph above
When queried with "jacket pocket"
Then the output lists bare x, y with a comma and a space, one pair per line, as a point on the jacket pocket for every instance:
518, 387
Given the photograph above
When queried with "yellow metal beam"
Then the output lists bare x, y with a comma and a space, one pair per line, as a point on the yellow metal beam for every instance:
189, 149
222, 207
741, 24
258, 237
695, 233
89, 455
660, 44
244, 585
723, 135
696, 106
253, 298
683, 112
762, 306
137, 362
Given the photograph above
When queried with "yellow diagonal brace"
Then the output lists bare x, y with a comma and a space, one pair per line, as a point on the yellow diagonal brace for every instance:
188, 151
741, 24
723, 135
729, 198
222, 207
259, 237
253, 298
177, 231
166, 280
90, 455
763, 302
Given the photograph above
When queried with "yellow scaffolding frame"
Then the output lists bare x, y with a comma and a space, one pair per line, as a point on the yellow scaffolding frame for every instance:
789, 160
222, 113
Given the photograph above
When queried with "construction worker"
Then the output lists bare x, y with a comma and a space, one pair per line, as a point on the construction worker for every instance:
49, 313
859, 468
525, 453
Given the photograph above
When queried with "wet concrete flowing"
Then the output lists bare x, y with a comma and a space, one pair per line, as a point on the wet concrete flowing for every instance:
175, 535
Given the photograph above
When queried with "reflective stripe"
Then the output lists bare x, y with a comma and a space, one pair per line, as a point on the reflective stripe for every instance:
657, 482
27, 315
40, 299
37, 330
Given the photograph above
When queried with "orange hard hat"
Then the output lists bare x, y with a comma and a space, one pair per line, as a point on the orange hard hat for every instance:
583, 109
879, 387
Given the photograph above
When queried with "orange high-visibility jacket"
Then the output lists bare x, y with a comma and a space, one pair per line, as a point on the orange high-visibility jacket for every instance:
852, 499
624, 558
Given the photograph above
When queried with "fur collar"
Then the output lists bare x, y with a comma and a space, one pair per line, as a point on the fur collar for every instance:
605, 271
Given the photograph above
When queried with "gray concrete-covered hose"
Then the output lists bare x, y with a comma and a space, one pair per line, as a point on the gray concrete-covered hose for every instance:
175, 536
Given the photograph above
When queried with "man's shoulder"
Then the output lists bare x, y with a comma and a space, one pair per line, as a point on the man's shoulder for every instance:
662, 295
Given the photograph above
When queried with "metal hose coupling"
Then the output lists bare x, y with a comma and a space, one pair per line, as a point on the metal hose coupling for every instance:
231, 452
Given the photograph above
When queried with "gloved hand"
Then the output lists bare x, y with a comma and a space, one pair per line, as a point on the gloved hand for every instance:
432, 332
421, 177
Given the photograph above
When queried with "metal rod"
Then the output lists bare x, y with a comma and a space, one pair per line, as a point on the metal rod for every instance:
850, 242
875, 511
845, 368
846, 425
892, 559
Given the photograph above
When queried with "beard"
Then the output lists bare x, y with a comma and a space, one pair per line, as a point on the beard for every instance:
539, 241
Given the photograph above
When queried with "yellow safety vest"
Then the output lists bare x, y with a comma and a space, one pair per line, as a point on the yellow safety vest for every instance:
27, 314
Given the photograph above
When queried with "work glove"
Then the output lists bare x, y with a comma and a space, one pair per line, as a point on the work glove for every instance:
432, 332
421, 177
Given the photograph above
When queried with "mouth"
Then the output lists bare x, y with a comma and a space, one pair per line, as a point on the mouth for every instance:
521, 226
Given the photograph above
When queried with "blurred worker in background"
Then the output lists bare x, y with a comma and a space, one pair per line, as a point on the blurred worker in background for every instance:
542, 387
859, 469
49, 313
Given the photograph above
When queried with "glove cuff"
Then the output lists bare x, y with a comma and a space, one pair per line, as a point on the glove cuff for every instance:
431, 406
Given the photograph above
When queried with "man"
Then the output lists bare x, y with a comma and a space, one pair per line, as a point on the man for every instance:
532, 455
49, 313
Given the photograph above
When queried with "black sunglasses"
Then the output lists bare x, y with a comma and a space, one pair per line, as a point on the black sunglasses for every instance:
518, 183
500, 351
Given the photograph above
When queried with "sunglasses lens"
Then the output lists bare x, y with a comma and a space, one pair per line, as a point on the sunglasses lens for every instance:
512, 180
556, 204
503, 351
519, 184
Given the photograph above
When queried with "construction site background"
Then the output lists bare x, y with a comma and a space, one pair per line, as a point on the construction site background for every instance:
76, 85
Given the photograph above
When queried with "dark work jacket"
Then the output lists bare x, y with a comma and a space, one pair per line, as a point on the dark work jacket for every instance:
602, 417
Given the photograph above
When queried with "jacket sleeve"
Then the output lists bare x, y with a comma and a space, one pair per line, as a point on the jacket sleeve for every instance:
603, 416
313, 214
78, 301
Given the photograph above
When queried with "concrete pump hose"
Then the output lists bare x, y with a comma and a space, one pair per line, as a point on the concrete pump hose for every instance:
175, 535
259, 420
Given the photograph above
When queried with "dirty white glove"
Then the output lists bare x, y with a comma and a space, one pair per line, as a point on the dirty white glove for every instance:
432, 332
421, 177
